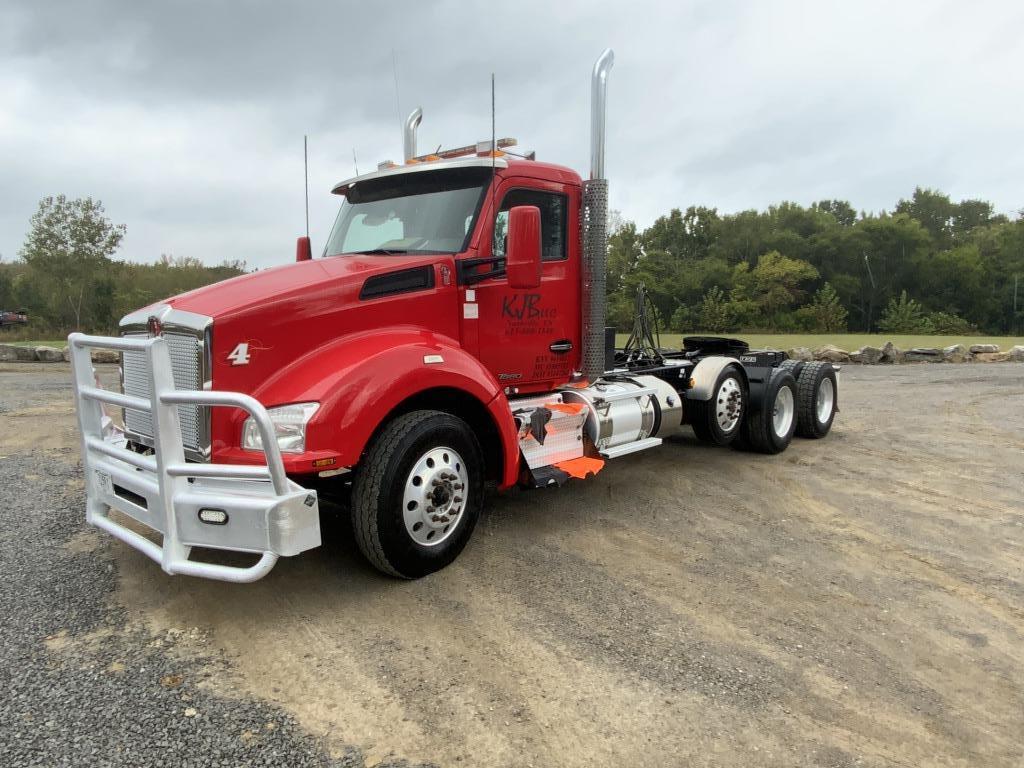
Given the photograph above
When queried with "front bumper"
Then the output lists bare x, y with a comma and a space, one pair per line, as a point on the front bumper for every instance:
257, 509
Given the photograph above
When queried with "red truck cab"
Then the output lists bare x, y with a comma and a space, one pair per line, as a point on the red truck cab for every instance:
406, 303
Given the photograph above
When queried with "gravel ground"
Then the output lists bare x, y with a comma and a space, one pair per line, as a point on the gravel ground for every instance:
857, 601
80, 685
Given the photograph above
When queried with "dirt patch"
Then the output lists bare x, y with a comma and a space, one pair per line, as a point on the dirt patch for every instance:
854, 601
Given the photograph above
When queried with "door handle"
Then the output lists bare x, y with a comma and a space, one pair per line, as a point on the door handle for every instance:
561, 347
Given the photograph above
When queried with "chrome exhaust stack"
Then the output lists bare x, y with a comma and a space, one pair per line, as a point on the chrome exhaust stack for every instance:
598, 111
594, 224
412, 122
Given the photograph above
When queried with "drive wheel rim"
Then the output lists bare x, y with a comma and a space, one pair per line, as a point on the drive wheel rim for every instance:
729, 404
434, 499
825, 400
783, 412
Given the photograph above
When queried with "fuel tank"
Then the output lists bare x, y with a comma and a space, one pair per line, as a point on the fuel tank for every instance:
627, 409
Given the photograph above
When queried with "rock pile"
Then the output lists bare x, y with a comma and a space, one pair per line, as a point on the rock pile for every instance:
15, 353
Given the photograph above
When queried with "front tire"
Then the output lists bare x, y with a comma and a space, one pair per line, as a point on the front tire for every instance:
418, 494
717, 420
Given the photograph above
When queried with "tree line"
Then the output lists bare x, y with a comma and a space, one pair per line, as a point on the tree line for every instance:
66, 279
930, 266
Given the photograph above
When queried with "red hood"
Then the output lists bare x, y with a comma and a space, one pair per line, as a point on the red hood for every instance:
269, 289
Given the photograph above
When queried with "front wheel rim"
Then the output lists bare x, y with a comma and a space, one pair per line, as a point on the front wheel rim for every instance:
435, 497
825, 400
782, 413
729, 405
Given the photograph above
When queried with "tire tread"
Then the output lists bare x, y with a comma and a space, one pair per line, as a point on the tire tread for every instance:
806, 410
369, 483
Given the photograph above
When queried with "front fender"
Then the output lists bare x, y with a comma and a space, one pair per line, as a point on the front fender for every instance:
359, 380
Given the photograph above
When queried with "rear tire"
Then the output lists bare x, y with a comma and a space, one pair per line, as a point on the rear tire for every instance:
718, 420
817, 400
770, 424
418, 493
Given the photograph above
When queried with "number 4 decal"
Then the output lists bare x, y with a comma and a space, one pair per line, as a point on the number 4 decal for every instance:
240, 354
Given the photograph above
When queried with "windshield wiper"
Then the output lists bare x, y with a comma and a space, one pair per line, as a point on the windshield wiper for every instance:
380, 251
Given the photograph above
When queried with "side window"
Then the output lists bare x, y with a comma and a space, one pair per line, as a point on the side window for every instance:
552, 222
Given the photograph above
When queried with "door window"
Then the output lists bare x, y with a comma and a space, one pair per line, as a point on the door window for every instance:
552, 222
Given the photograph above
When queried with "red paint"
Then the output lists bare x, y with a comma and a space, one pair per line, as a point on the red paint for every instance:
311, 338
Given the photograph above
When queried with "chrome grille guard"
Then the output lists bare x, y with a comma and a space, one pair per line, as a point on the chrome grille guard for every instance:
254, 509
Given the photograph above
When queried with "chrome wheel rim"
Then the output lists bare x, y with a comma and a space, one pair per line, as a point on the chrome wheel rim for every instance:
434, 500
825, 400
729, 404
783, 411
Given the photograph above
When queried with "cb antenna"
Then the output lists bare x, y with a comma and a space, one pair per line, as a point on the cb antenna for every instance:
305, 165
494, 147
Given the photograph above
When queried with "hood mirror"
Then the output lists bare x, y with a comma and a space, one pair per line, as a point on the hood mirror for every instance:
303, 249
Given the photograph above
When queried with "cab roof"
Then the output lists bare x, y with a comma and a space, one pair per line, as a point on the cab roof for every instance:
521, 167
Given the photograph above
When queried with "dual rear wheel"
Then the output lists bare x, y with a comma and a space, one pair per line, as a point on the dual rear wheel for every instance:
797, 399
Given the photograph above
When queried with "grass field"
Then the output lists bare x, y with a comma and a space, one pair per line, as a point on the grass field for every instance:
851, 342
58, 343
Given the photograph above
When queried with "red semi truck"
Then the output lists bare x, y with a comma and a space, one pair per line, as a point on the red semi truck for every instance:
451, 335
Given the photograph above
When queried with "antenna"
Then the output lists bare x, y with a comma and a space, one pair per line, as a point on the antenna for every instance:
394, 71
305, 165
354, 161
494, 150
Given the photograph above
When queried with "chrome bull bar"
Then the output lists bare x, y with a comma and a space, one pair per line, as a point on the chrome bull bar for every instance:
254, 509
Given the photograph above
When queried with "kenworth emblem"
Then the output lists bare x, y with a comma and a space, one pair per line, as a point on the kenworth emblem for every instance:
155, 327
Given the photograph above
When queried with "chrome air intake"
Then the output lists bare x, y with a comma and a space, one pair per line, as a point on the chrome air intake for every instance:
594, 226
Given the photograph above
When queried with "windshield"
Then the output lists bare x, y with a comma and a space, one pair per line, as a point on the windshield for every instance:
422, 212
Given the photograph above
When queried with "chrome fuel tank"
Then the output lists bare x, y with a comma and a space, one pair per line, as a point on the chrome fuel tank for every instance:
627, 409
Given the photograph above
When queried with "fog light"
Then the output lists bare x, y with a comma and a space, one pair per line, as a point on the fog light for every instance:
213, 516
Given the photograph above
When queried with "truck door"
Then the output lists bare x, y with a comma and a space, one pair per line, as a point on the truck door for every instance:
529, 339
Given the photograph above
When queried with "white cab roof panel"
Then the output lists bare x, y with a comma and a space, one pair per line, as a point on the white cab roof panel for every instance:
436, 165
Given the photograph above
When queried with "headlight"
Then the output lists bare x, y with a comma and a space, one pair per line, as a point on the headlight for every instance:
289, 428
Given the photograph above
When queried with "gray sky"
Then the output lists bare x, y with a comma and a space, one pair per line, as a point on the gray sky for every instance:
186, 119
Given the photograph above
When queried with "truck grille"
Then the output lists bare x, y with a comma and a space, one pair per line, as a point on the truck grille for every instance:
187, 365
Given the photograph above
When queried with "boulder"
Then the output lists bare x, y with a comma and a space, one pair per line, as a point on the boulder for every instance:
992, 357
957, 353
1016, 354
49, 355
976, 348
832, 354
800, 353
7, 354
867, 356
106, 356
21, 354
66, 353
923, 355
891, 353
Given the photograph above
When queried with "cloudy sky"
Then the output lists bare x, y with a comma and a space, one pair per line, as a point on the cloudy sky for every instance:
187, 119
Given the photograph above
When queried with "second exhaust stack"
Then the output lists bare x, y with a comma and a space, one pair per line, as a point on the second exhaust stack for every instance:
594, 222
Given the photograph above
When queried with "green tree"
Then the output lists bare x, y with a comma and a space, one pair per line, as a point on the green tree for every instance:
826, 312
774, 285
69, 244
904, 315
715, 314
